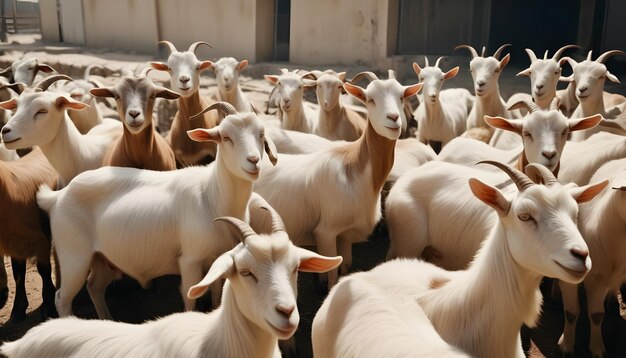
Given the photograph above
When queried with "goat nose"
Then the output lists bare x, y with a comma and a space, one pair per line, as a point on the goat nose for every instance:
433, 95
549, 154
481, 83
582, 89
184, 79
6, 130
579, 253
133, 113
285, 310
539, 86
393, 116
253, 159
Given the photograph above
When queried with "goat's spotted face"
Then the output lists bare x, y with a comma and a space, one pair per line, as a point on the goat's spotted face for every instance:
290, 87
37, 118
589, 77
329, 87
544, 76
227, 73
485, 73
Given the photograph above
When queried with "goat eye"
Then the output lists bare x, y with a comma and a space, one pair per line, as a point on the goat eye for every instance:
564, 133
226, 139
525, 217
245, 273
370, 100
526, 134
41, 111
497, 70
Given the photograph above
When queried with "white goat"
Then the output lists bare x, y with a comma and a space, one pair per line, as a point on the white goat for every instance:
601, 223
227, 71
443, 113
258, 308
335, 121
25, 70
185, 69
331, 198
95, 219
589, 77
41, 120
480, 310
544, 75
294, 114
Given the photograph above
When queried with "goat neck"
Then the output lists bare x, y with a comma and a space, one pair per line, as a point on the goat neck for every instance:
67, 140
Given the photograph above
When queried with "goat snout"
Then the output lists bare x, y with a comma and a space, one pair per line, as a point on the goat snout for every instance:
184, 79
133, 113
285, 310
253, 159
549, 154
539, 86
393, 116
480, 83
579, 253
6, 130
582, 89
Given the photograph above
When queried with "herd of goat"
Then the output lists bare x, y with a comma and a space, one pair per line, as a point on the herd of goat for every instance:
229, 197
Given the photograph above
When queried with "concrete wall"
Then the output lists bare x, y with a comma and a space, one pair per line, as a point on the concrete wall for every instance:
338, 31
128, 25
72, 26
49, 20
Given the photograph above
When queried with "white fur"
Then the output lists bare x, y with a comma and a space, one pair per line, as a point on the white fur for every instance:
227, 71
148, 223
294, 115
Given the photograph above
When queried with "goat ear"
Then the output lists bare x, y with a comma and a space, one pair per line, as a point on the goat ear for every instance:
356, 91
205, 135
10, 104
450, 74
506, 124
167, 94
221, 268
417, 68
411, 90
102, 92
342, 76
585, 193
63, 103
45, 68
505, 61
159, 66
242, 65
490, 196
313, 262
526, 73
273, 79
205, 65
584, 123
612, 77
270, 149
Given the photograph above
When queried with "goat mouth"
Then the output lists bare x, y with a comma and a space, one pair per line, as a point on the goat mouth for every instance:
582, 97
287, 331
11, 141
252, 172
134, 125
184, 88
575, 273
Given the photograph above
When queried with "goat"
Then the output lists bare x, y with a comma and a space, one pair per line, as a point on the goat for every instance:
227, 71
294, 114
25, 70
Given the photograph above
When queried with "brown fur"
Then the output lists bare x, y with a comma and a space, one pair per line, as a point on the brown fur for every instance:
371, 148
437, 283
478, 133
177, 137
144, 150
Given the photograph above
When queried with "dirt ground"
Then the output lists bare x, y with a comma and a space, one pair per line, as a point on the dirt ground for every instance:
129, 303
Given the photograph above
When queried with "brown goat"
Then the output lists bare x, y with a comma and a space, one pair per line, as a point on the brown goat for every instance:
140, 146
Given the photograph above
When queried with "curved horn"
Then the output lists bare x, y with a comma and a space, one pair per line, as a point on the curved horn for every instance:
18, 87
46, 82
560, 51
242, 227
145, 71
498, 52
194, 46
223, 107
532, 106
470, 48
309, 75
94, 83
554, 105
169, 45
538, 170
371, 76
531, 55
520, 179
608, 54
444, 58
88, 71
589, 55
426, 61
277, 222
6, 71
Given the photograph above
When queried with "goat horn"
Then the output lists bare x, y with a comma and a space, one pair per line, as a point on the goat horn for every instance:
537, 170
145, 71
6, 71
194, 46
554, 105
94, 83
426, 61
531, 55
366, 74
520, 179
470, 48
46, 82
309, 75
392, 74
284, 70
482, 53
560, 51
223, 107
277, 222
532, 106
442, 58
242, 227
589, 55
608, 54
88, 71
498, 52
17, 87
169, 45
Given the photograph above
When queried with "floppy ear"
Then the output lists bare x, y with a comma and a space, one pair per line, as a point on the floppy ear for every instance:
270, 149
584, 123
585, 193
273, 79
205, 135
505, 61
63, 103
159, 66
313, 262
513, 125
242, 65
10, 104
453, 72
356, 91
526, 72
221, 268
45, 68
411, 90
102, 92
163, 92
490, 196
205, 65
